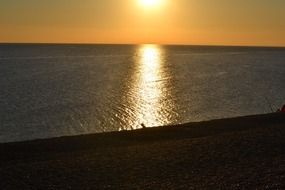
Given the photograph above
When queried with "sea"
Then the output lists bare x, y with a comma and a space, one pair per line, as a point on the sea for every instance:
50, 90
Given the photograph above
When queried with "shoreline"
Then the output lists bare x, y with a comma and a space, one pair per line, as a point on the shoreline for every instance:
236, 153
243, 122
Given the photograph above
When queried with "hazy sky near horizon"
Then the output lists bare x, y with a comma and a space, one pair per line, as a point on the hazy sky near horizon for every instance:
220, 22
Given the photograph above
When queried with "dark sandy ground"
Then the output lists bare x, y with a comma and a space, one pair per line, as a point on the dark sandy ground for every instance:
239, 153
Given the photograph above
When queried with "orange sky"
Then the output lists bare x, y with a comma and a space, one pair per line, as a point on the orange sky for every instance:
221, 22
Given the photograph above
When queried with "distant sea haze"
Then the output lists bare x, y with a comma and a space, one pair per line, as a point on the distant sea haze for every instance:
60, 90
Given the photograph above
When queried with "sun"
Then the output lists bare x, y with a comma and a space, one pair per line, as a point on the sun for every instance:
150, 3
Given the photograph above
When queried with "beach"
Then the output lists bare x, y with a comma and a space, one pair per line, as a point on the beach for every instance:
142, 95
237, 153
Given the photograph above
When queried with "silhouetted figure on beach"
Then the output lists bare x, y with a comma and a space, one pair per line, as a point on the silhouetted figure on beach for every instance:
143, 125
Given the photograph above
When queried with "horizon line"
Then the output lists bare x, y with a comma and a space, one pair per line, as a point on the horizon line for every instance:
162, 44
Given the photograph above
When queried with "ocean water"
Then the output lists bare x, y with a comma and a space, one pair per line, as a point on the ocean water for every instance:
58, 90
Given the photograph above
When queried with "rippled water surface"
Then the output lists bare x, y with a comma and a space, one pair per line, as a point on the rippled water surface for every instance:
55, 90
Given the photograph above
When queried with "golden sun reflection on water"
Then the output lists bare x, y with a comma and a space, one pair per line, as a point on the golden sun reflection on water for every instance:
150, 86
150, 64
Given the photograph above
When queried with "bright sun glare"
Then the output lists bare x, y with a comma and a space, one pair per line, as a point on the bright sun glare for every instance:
150, 3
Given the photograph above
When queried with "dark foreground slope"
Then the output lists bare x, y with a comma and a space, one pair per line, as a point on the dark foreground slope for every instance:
238, 153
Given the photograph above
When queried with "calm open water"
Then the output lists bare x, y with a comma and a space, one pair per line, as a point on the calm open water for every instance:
57, 90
